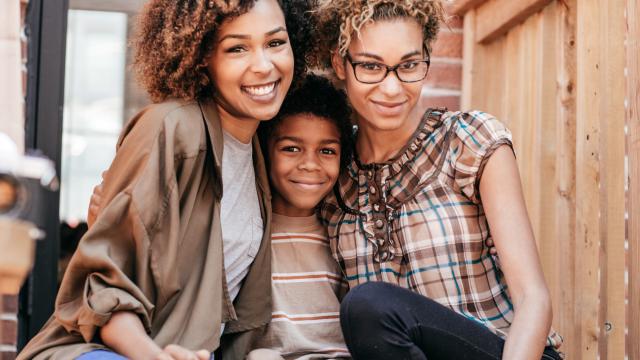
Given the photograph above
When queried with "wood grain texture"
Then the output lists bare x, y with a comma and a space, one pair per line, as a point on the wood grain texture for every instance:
496, 17
632, 112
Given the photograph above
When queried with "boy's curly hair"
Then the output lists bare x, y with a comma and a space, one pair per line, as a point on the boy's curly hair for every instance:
175, 37
316, 96
336, 21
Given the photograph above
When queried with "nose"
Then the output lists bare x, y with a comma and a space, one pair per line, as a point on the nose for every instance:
391, 85
261, 63
309, 161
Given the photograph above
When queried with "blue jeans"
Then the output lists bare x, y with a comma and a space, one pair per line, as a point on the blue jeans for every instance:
384, 321
100, 355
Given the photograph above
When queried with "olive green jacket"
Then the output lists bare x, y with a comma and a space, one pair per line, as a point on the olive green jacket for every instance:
156, 246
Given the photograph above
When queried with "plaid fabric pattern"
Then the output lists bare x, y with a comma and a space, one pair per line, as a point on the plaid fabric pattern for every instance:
417, 221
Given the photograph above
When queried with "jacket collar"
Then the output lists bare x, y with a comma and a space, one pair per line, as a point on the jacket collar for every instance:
210, 113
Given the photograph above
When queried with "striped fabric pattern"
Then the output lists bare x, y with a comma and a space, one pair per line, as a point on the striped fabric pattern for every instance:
417, 220
307, 286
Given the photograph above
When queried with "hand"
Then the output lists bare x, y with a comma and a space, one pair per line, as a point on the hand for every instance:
95, 202
492, 247
176, 352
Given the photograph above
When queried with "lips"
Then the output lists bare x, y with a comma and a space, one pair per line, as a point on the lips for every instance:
308, 185
262, 93
389, 108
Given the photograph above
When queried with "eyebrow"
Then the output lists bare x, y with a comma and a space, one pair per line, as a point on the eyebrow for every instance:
374, 56
245, 37
298, 140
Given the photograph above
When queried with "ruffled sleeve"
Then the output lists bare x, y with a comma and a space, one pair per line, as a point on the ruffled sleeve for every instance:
476, 136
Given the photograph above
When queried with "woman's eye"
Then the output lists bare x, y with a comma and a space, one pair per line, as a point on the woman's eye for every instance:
409, 65
371, 66
236, 49
276, 43
328, 151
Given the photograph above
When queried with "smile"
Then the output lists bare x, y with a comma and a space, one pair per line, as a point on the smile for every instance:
389, 108
262, 93
308, 185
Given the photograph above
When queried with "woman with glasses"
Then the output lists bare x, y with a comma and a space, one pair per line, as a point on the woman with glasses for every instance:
409, 219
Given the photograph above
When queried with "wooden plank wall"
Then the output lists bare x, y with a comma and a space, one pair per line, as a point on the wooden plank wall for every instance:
633, 192
555, 76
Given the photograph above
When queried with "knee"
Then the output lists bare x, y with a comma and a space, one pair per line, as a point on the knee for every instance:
367, 303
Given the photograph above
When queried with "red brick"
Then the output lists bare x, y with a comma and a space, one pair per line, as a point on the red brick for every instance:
9, 332
8, 355
454, 22
450, 102
445, 76
9, 304
448, 45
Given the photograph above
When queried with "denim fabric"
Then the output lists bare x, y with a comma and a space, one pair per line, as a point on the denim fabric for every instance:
100, 355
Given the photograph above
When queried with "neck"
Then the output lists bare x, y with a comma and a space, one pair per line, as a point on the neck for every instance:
378, 146
242, 129
281, 207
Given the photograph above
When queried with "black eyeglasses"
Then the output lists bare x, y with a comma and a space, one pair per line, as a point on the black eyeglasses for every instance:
370, 72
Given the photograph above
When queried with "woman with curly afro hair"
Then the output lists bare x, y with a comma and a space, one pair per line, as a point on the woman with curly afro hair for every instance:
409, 219
173, 264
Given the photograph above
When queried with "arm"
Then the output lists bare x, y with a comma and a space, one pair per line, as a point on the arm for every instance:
503, 202
125, 334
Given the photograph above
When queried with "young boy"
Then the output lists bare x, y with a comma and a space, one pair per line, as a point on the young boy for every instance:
305, 146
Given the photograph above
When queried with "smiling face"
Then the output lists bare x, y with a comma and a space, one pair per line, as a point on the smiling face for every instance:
389, 104
304, 158
252, 62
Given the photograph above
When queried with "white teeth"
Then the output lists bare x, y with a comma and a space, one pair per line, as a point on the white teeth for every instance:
260, 90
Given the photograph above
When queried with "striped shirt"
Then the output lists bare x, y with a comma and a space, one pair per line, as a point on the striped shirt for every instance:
307, 286
417, 220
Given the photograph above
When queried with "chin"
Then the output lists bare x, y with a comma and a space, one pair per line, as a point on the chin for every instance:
265, 114
387, 124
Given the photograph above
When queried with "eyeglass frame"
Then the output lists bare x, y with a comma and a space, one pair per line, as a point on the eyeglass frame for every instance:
393, 69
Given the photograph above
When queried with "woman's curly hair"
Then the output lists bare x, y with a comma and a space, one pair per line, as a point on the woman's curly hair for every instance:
336, 21
175, 37
316, 96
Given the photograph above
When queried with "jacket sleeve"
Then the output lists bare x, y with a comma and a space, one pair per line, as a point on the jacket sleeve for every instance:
110, 270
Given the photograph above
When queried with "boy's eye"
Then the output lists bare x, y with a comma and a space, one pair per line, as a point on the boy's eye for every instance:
291, 149
328, 151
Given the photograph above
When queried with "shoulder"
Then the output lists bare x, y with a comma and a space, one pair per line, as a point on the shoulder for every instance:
174, 122
476, 129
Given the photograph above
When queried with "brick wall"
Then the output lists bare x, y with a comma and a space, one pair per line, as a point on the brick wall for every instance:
9, 303
444, 82
8, 326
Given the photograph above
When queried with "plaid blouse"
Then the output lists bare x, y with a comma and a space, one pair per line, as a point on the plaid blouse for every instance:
417, 220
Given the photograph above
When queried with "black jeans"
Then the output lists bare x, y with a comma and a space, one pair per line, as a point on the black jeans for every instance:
383, 321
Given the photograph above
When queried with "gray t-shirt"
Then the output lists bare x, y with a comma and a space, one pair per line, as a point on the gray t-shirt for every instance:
242, 226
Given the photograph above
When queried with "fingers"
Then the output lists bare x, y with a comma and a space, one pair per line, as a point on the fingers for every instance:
491, 246
163, 356
94, 204
179, 353
203, 355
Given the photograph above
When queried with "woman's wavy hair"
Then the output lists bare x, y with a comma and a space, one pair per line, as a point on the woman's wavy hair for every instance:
175, 37
337, 21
